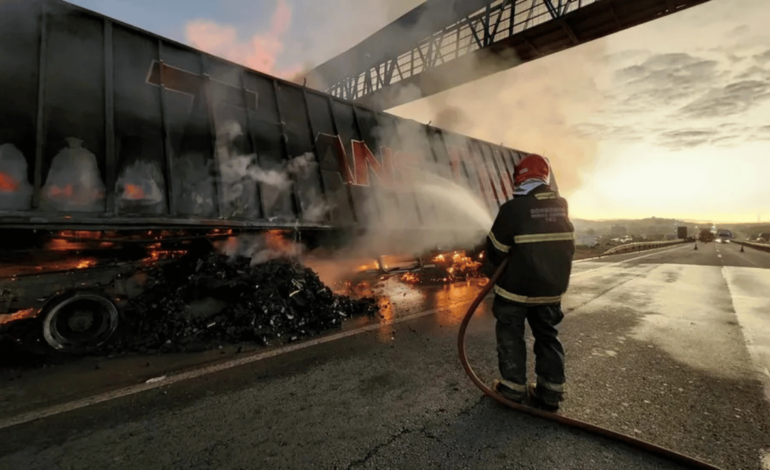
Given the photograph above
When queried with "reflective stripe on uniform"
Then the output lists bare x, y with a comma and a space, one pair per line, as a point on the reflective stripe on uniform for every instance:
523, 299
544, 196
498, 245
544, 237
513, 385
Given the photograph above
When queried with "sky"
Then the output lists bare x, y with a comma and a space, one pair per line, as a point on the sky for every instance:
667, 119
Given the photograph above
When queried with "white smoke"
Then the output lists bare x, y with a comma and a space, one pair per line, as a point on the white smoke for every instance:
260, 248
15, 190
451, 214
240, 173
193, 186
138, 184
74, 182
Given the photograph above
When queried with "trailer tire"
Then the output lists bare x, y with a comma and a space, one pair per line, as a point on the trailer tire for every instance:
79, 321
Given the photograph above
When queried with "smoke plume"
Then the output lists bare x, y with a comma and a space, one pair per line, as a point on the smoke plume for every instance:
15, 190
531, 107
260, 52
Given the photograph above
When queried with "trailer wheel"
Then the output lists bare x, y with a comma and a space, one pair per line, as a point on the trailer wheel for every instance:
79, 322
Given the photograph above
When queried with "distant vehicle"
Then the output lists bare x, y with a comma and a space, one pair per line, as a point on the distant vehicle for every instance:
706, 236
724, 236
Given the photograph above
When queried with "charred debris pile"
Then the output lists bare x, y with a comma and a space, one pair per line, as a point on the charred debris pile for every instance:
196, 304
202, 301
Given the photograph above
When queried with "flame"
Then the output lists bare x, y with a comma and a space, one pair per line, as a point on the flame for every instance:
80, 234
18, 315
448, 267
85, 263
277, 242
373, 265
59, 244
7, 184
133, 191
56, 191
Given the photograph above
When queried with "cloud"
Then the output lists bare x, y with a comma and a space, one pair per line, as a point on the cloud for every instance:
763, 58
607, 132
761, 133
260, 52
734, 98
663, 79
685, 138
682, 100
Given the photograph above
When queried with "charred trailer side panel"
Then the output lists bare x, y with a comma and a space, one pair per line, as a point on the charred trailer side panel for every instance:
105, 126
114, 140
681, 233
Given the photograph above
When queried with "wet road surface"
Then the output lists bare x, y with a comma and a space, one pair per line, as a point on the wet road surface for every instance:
671, 346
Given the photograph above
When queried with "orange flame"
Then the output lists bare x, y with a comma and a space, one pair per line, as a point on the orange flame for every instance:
369, 266
18, 315
277, 242
67, 191
7, 184
85, 263
133, 191
455, 266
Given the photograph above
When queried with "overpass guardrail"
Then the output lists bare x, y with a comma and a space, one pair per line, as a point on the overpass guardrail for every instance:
756, 246
641, 246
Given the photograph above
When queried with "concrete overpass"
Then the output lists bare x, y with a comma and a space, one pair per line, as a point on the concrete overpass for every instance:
442, 44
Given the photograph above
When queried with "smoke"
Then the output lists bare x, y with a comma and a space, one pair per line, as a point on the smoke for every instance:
261, 248
15, 190
138, 184
74, 182
260, 52
532, 107
240, 174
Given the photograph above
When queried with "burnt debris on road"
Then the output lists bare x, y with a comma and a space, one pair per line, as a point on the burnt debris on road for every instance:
197, 304
200, 303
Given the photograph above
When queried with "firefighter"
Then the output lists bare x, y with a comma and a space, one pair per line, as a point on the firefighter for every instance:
534, 230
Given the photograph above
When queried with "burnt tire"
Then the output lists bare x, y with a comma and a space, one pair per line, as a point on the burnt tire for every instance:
79, 322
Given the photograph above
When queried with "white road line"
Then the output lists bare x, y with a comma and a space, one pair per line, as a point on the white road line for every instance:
173, 379
747, 287
160, 382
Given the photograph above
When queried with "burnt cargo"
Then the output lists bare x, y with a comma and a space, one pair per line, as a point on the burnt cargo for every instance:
104, 125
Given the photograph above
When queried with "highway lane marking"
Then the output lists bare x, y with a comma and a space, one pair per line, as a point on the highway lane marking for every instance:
750, 308
157, 382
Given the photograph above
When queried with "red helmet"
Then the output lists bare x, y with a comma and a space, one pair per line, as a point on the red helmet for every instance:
532, 166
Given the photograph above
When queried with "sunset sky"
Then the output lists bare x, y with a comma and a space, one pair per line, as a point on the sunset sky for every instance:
668, 119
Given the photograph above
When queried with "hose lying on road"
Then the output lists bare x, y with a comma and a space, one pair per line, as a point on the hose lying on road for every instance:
636, 443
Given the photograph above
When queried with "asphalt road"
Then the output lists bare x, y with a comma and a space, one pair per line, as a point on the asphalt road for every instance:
671, 346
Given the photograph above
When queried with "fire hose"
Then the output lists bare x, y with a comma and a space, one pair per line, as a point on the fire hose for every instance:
633, 442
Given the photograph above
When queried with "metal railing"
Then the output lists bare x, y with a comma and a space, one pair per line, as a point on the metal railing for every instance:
641, 246
500, 20
756, 246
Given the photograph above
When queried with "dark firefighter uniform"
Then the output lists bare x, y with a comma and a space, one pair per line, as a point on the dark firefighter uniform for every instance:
534, 230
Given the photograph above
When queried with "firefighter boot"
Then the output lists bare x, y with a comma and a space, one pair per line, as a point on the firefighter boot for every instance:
510, 390
546, 395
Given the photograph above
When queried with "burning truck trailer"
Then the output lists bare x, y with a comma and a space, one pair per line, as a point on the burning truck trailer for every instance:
125, 156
